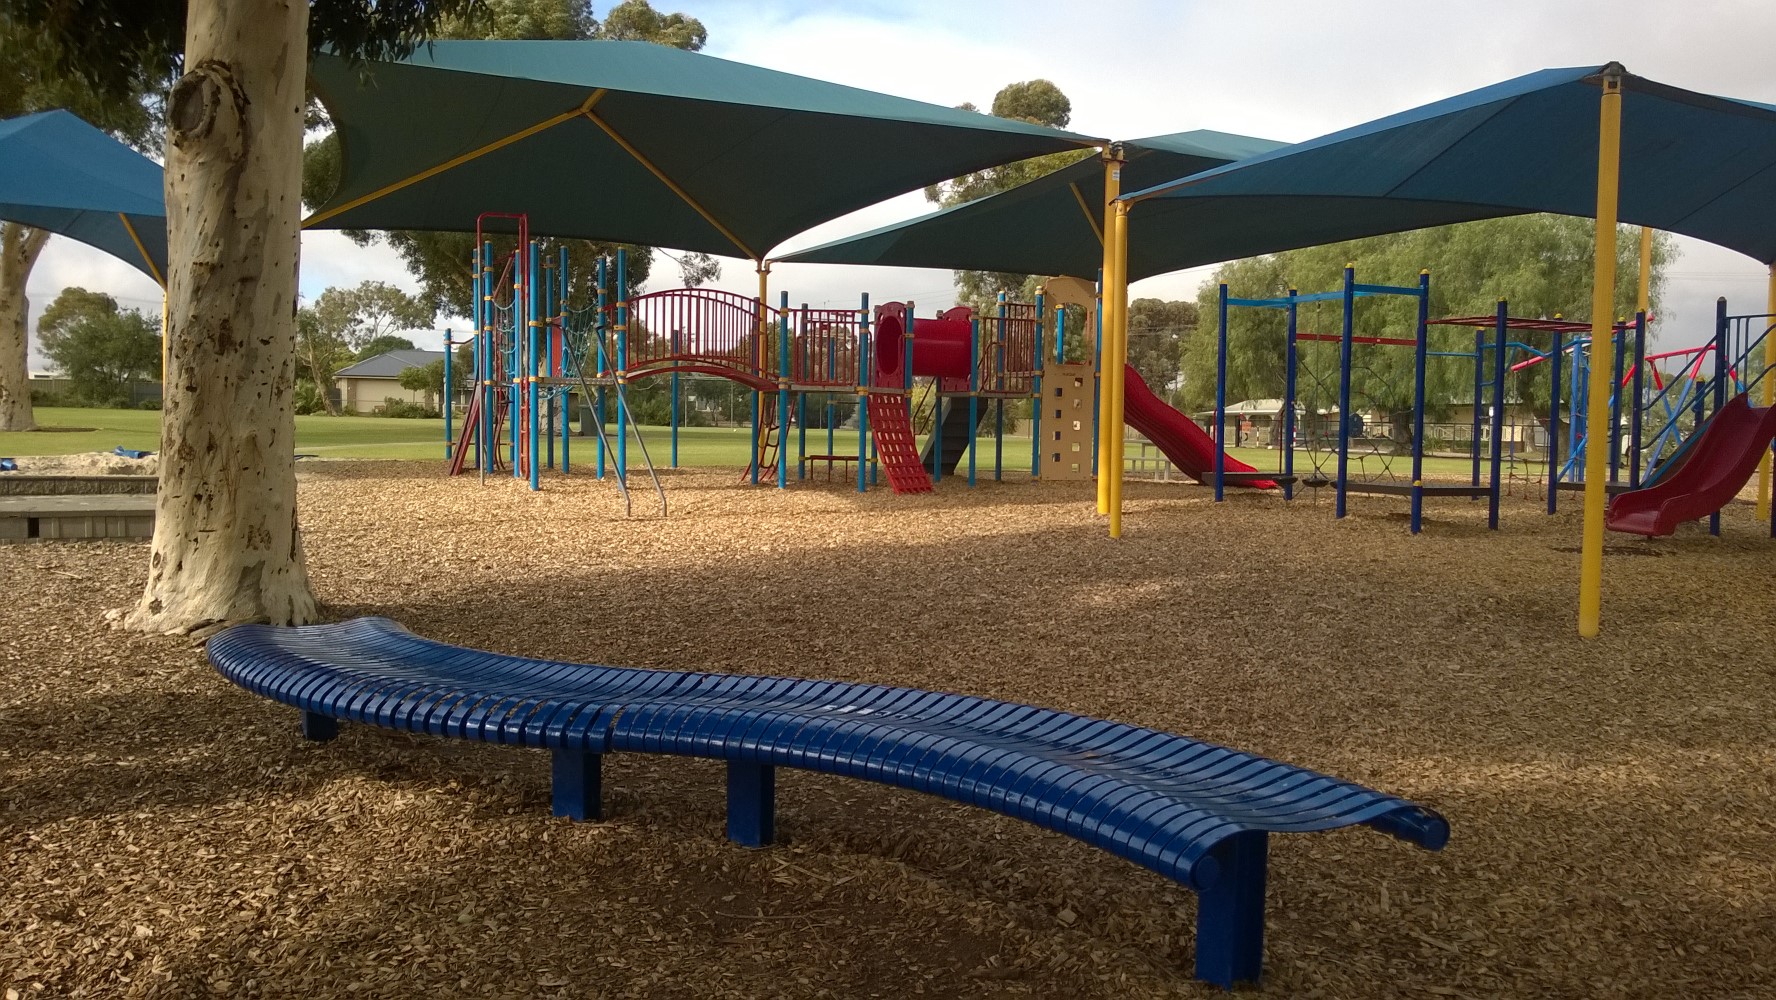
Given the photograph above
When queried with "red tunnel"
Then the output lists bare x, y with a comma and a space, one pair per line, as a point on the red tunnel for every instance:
940, 346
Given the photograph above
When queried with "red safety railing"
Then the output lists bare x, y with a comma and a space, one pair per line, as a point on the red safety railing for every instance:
824, 347
702, 328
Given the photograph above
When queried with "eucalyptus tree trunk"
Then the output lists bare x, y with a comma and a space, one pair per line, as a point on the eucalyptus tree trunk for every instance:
19, 247
226, 547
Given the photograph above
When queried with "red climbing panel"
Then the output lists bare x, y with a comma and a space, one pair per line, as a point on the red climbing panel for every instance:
895, 446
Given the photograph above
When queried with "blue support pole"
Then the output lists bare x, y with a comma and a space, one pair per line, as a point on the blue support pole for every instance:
622, 373
489, 361
576, 784
1221, 392
1503, 322
318, 728
752, 802
1555, 354
1344, 390
999, 385
1619, 337
561, 339
1037, 353
783, 372
1289, 362
1230, 912
533, 425
1479, 381
515, 361
865, 375
599, 329
1422, 336
1639, 398
546, 362
447, 422
974, 391
1061, 336
1721, 327
672, 418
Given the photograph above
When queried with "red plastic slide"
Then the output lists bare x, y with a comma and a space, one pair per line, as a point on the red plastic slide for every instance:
1188, 446
1718, 467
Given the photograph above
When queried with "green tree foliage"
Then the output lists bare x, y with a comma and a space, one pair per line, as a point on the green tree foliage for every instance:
101, 348
442, 262
1541, 263
1157, 330
345, 325
1039, 102
383, 343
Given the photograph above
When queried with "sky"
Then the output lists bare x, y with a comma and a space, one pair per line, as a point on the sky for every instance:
1279, 69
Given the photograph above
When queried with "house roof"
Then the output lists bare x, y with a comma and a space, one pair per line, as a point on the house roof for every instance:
390, 364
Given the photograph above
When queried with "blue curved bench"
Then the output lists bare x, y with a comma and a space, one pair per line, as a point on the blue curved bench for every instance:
1194, 812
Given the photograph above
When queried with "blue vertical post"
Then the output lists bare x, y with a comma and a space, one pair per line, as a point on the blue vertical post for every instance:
1221, 392
865, 375
489, 360
1289, 363
1344, 389
974, 391
561, 335
622, 374
599, 328
1000, 384
1037, 355
1061, 335
752, 794
1721, 347
1555, 355
1579, 410
533, 425
515, 358
546, 359
1479, 381
672, 417
576, 784
783, 372
1230, 912
1618, 336
1639, 397
447, 383
1503, 321
1422, 351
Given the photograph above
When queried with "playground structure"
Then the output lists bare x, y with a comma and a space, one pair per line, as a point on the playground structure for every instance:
1655, 415
536, 358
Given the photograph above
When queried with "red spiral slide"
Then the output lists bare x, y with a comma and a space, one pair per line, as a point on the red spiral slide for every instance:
1188, 446
1719, 465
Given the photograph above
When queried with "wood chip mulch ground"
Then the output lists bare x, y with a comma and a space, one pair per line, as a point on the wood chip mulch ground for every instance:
165, 834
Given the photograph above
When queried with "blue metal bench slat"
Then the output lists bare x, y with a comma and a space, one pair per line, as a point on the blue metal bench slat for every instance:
1192, 811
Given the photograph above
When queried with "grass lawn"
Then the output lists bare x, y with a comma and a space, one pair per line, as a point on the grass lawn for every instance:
66, 431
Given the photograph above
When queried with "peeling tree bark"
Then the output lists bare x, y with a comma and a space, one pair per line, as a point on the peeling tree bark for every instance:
19, 247
226, 546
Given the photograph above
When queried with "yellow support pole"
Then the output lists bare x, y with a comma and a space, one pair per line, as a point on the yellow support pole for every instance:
1112, 157
1118, 291
1763, 501
1597, 410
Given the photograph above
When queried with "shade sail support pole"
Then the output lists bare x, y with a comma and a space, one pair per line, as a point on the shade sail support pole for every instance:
1603, 287
1118, 364
1113, 161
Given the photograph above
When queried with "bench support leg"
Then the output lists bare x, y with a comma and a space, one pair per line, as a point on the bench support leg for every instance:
577, 781
319, 728
1230, 913
752, 803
